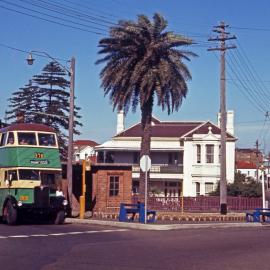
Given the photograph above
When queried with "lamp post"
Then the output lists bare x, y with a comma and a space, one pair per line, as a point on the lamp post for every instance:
71, 74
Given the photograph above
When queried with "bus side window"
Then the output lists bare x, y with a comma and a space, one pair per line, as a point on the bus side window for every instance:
46, 139
27, 138
11, 175
10, 140
3, 139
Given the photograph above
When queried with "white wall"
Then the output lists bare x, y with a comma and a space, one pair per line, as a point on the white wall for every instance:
230, 161
80, 153
188, 189
205, 172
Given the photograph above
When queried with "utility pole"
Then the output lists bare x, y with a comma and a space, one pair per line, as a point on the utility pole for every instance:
222, 37
257, 160
70, 132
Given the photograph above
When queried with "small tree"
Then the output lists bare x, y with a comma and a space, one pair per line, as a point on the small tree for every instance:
242, 186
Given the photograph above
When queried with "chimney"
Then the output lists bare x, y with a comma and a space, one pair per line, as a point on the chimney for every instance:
120, 122
229, 122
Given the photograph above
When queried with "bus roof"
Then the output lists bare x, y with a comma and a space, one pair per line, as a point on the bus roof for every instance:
27, 127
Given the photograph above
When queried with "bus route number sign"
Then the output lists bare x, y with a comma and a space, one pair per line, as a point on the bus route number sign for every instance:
39, 155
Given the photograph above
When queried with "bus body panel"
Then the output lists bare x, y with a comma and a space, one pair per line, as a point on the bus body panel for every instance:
30, 157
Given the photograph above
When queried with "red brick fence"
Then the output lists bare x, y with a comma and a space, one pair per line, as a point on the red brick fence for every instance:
202, 204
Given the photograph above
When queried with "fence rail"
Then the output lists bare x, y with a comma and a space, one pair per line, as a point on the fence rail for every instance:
201, 203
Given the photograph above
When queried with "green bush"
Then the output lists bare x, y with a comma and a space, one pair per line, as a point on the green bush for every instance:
242, 186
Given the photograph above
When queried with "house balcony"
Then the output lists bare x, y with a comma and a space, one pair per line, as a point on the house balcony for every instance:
163, 169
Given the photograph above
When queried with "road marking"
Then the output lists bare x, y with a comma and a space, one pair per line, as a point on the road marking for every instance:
60, 234
18, 236
57, 234
119, 230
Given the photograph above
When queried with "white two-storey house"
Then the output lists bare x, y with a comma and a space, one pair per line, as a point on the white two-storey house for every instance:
185, 156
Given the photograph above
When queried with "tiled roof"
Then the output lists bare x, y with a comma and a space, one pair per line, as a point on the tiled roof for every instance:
172, 129
246, 150
162, 129
85, 143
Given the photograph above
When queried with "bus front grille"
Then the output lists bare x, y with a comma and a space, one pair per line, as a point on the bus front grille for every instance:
42, 198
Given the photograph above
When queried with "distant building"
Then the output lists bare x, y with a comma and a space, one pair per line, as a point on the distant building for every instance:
250, 155
248, 161
249, 169
84, 149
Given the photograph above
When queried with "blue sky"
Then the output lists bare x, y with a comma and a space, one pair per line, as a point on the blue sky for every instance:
248, 20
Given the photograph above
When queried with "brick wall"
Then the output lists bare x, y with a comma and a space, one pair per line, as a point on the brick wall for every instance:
102, 201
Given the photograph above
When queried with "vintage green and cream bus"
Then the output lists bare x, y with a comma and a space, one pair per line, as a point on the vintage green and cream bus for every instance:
30, 173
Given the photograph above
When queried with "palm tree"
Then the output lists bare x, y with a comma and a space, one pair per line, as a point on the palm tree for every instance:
142, 63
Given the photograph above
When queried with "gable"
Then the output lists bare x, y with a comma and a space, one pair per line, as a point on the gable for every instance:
204, 129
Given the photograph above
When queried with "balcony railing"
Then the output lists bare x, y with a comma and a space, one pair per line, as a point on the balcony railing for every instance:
161, 168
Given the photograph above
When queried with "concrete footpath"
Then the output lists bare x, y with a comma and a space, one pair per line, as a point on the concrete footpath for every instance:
164, 227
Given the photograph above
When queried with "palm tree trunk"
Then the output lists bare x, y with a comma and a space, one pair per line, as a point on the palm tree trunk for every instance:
145, 142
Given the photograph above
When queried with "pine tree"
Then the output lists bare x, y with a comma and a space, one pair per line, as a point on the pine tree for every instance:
47, 102
54, 89
27, 101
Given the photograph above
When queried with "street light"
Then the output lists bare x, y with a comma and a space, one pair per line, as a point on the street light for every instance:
71, 74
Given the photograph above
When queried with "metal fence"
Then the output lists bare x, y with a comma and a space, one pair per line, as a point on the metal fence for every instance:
201, 204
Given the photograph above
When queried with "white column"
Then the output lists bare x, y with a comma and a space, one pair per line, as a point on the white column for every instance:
203, 157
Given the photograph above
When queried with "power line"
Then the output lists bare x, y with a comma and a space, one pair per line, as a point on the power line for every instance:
243, 86
51, 21
250, 64
249, 122
261, 81
50, 16
78, 17
251, 28
91, 9
70, 10
254, 91
261, 130
33, 53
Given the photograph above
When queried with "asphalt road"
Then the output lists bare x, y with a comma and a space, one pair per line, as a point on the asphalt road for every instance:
76, 247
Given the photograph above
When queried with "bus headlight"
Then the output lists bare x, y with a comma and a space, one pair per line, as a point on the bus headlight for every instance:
19, 203
65, 202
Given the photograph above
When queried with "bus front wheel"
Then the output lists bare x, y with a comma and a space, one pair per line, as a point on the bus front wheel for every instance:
10, 214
